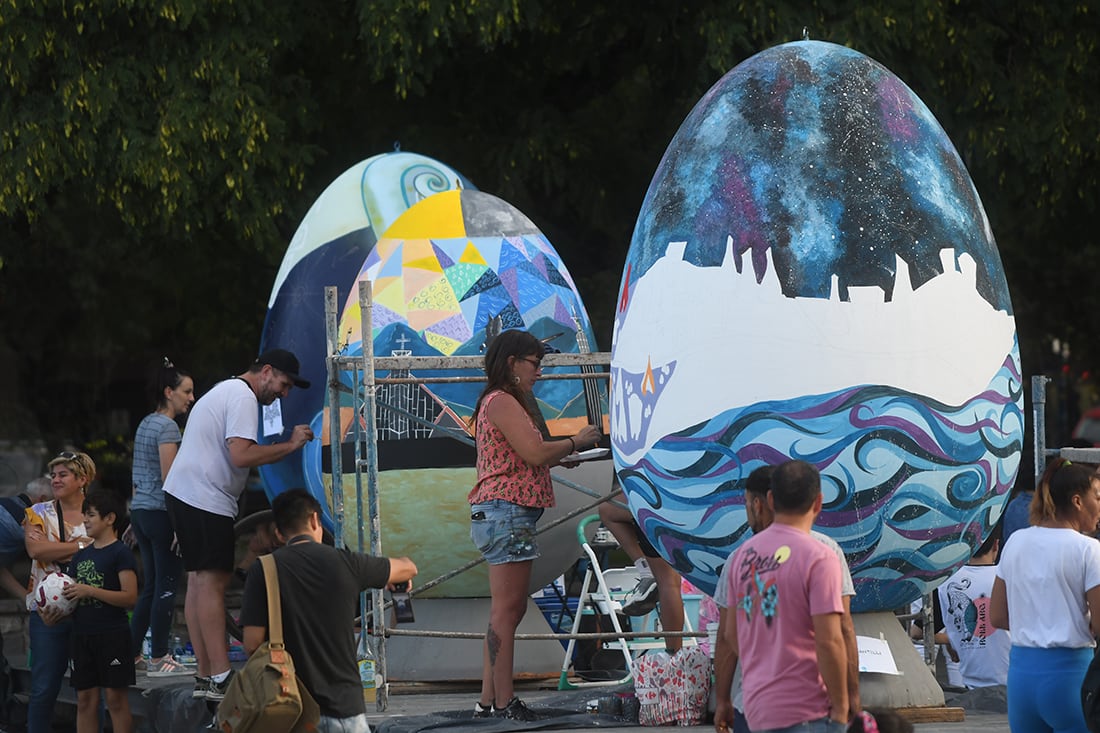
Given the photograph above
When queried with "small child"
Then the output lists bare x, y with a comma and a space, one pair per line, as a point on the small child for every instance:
106, 585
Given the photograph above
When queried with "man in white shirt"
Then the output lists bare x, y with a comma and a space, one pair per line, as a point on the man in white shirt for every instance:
201, 491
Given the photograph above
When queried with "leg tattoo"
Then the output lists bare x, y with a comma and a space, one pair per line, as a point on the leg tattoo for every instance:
493, 643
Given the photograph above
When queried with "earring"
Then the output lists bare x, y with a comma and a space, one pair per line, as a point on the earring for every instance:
515, 378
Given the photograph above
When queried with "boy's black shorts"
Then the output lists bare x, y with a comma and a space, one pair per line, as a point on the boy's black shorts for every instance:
103, 660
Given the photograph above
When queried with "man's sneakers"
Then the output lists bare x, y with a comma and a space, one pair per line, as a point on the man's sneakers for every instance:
643, 598
207, 689
514, 710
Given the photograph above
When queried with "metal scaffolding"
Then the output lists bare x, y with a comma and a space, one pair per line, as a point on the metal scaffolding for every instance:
365, 391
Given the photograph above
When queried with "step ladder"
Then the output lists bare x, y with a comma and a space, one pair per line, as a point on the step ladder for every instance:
602, 593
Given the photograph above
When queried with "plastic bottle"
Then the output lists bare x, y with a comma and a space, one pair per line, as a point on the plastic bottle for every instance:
177, 647
365, 661
147, 646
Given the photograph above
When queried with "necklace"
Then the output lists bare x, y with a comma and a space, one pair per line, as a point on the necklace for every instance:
300, 539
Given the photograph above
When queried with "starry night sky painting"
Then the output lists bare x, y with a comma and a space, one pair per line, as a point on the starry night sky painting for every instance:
812, 275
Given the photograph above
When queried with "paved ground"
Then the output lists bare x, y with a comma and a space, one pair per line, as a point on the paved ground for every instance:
165, 706
405, 704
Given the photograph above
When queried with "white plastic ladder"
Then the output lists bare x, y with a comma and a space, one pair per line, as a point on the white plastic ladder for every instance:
611, 586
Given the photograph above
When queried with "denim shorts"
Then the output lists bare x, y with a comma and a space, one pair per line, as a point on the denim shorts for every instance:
504, 532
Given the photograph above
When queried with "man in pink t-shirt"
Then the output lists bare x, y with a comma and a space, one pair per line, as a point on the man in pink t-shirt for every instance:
785, 589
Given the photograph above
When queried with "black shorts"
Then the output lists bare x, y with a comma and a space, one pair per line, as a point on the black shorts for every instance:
205, 539
102, 660
647, 547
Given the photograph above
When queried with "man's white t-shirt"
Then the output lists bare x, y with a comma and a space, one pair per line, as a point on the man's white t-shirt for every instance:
721, 599
1047, 572
202, 475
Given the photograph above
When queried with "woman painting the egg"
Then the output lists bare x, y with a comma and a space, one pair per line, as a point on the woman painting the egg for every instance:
512, 491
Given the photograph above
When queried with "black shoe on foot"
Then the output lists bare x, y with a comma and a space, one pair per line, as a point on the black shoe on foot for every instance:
202, 684
515, 710
216, 691
482, 712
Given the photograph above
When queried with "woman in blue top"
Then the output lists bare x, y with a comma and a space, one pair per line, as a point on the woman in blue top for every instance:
155, 446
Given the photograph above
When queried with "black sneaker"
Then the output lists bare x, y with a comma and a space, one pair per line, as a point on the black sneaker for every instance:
202, 684
515, 710
482, 712
643, 598
216, 690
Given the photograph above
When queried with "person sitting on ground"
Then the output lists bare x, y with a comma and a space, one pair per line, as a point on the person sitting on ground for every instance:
963, 610
658, 583
319, 636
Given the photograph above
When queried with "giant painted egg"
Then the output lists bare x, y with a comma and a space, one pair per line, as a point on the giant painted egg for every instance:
448, 272
812, 276
328, 248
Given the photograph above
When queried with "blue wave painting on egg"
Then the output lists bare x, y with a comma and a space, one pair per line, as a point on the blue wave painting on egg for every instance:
812, 276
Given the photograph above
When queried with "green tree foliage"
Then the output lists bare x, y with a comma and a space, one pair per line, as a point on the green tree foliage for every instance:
155, 157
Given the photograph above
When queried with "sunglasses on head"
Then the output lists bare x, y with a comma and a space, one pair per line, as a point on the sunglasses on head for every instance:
67, 455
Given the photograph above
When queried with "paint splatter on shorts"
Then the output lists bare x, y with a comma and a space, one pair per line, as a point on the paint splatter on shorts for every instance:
504, 532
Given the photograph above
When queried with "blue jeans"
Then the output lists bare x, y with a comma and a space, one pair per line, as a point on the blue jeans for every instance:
358, 724
824, 725
740, 725
161, 567
50, 646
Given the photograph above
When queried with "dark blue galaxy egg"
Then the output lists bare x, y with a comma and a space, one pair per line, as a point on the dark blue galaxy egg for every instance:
812, 276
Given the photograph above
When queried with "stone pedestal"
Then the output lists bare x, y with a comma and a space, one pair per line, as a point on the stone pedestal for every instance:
915, 687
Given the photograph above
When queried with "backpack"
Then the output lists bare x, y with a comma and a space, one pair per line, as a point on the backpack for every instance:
265, 696
1090, 694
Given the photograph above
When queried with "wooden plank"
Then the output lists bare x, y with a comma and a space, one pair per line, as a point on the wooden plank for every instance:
932, 715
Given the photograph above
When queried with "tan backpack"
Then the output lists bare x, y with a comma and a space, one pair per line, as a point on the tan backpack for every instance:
265, 696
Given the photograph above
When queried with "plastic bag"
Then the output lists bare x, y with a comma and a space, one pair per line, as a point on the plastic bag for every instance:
672, 689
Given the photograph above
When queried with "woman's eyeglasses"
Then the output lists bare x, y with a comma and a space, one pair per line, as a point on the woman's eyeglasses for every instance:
537, 363
67, 455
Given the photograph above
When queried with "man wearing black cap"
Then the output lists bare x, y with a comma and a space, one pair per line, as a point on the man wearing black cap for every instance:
207, 477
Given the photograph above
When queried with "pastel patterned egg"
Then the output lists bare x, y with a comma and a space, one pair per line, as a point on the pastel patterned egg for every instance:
446, 274
328, 248
812, 276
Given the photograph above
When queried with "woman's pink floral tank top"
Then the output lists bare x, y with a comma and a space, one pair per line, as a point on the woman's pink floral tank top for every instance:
501, 473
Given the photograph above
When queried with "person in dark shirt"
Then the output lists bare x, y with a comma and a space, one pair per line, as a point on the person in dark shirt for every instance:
319, 589
106, 585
